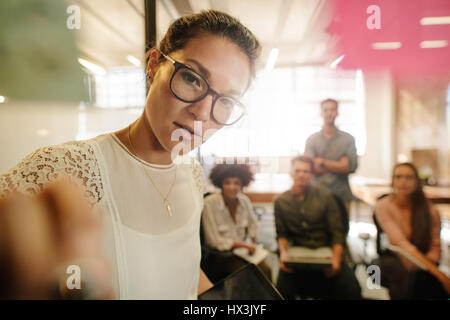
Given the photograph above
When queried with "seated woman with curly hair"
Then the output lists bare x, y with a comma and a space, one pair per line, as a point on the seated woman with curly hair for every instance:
227, 220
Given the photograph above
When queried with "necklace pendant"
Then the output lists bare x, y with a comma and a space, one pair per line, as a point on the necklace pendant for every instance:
169, 210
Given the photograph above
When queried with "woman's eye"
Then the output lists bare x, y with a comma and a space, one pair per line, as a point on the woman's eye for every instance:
227, 103
191, 78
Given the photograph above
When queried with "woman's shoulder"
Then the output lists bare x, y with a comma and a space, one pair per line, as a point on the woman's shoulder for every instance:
213, 198
434, 212
244, 198
384, 202
73, 159
197, 172
54, 157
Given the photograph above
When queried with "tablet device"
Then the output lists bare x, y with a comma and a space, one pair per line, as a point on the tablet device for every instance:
247, 283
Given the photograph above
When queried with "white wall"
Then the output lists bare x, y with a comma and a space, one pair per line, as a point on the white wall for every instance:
25, 127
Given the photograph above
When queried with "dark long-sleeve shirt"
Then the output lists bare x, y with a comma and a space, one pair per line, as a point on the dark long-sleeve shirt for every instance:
313, 222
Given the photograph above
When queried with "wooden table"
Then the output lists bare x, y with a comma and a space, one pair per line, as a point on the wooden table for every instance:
267, 187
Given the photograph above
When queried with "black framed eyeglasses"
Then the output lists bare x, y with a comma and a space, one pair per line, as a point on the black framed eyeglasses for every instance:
188, 85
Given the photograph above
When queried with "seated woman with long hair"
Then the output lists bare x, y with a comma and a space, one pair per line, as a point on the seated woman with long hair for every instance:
411, 223
227, 219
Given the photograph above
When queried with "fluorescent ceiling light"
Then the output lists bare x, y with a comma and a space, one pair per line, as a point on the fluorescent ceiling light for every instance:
334, 64
42, 132
2, 99
386, 45
434, 44
402, 158
273, 55
133, 60
92, 67
427, 21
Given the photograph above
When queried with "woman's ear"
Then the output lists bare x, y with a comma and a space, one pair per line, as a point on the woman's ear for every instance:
152, 64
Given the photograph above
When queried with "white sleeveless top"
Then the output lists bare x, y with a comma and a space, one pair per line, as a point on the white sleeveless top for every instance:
152, 255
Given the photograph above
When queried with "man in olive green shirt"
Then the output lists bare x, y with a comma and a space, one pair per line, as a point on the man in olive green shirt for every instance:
308, 216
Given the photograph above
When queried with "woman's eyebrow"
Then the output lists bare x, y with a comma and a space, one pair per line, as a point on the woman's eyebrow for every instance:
207, 75
202, 69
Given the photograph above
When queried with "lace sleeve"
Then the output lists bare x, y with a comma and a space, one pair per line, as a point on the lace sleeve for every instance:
199, 177
75, 160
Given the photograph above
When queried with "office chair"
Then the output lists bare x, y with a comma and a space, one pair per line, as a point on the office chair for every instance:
365, 237
343, 212
379, 230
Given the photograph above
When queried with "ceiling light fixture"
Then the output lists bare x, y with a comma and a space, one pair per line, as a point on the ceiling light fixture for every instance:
273, 55
386, 45
428, 21
42, 132
433, 44
335, 63
134, 61
92, 67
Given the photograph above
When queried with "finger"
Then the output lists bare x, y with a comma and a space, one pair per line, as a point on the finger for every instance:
27, 245
285, 268
77, 222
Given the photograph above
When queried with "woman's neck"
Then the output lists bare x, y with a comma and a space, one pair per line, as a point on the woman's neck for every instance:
140, 139
229, 201
403, 202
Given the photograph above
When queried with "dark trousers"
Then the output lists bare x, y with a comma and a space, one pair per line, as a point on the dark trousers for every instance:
307, 283
404, 284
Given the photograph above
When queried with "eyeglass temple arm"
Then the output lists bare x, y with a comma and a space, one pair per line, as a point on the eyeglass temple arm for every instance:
167, 57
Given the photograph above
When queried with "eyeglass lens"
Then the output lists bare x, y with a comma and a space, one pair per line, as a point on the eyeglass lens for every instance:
189, 86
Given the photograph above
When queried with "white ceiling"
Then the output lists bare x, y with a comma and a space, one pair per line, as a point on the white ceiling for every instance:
113, 29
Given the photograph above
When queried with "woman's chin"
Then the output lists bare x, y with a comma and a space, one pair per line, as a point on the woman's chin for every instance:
180, 148
231, 196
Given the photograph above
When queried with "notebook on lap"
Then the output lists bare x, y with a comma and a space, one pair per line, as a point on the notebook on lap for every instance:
302, 257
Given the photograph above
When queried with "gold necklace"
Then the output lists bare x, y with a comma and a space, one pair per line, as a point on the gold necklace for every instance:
165, 201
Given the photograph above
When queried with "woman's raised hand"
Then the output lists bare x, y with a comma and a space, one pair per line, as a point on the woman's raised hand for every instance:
50, 246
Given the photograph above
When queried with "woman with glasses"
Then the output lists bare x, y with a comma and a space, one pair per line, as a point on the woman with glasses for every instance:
412, 224
148, 191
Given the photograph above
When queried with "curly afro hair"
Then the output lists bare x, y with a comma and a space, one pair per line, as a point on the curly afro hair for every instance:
222, 171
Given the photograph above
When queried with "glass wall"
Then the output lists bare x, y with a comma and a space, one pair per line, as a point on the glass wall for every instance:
284, 109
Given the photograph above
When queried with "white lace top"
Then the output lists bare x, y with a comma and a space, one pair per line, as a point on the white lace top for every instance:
153, 255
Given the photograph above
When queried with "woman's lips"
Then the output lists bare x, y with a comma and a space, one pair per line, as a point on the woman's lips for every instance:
187, 134
189, 129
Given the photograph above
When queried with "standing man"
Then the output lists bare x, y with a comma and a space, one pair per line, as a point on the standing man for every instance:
308, 216
334, 154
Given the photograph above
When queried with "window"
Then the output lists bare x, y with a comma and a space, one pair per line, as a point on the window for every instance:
284, 109
120, 87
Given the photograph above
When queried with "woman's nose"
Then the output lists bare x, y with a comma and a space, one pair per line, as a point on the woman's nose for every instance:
202, 109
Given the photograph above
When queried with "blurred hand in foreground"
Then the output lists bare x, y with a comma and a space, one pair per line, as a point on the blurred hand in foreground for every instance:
42, 236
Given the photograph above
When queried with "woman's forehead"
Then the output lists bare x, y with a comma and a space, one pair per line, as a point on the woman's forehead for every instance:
402, 169
219, 60
232, 178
